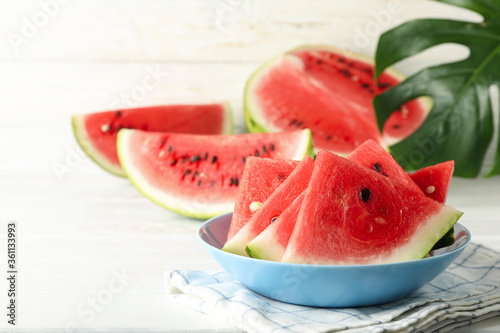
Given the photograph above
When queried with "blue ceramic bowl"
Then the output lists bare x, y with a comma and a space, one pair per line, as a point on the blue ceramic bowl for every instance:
328, 285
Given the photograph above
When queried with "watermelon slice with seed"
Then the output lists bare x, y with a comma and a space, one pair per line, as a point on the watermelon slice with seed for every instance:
271, 243
261, 177
199, 175
356, 215
373, 156
435, 180
330, 91
273, 206
96, 132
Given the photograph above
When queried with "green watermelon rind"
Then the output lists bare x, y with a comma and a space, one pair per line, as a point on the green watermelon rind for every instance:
84, 142
256, 125
135, 178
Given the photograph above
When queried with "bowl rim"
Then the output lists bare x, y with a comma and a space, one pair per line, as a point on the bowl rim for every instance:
318, 266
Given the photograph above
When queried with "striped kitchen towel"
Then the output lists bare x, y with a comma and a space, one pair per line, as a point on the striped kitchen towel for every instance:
467, 292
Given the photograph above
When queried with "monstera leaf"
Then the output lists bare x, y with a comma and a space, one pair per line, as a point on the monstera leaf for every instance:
460, 123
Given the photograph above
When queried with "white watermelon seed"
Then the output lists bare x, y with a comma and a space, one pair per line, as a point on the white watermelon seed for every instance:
430, 189
105, 128
254, 206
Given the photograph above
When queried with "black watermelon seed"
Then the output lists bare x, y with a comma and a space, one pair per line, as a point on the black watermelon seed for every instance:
185, 159
257, 154
345, 72
206, 156
319, 62
365, 85
274, 219
377, 167
341, 60
244, 159
384, 85
118, 114
264, 149
365, 194
174, 162
214, 159
236, 181
187, 172
293, 122
170, 148
368, 70
199, 182
385, 175
195, 173
328, 137
195, 158
396, 126
271, 146
300, 124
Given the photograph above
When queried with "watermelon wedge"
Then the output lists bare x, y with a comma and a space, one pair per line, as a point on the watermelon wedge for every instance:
271, 243
435, 180
273, 206
356, 215
261, 177
373, 156
330, 91
96, 132
199, 175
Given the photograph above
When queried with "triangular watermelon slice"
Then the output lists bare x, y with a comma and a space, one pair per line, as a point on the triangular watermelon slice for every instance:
373, 156
277, 202
96, 133
199, 175
271, 243
261, 177
358, 216
435, 180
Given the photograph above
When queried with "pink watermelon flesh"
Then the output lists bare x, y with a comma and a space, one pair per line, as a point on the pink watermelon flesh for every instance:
271, 243
358, 216
373, 156
97, 132
273, 206
261, 177
199, 175
330, 93
435, 180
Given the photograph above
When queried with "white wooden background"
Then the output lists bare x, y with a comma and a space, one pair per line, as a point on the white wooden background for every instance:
82, 230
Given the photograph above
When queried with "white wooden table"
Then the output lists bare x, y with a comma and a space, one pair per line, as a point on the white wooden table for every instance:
91, 249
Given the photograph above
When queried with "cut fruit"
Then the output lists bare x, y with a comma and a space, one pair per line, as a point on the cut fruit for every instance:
355, 215
96, 133
261, 177
373, 156
435, 180
271, 243
199, 175
275, 204
330, 91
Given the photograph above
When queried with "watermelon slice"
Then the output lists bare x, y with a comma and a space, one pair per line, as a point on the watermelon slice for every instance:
277, 202
96, 132
358, 216
199, 175
271, 243
435, 180
330, 91
373, 156
261, 177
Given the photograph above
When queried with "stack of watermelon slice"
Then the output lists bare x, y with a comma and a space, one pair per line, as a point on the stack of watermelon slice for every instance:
359, 210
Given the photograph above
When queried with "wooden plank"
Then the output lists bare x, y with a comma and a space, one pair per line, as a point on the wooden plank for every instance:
195, 30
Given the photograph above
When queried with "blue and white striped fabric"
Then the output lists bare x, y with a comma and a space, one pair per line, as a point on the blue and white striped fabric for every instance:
467, 292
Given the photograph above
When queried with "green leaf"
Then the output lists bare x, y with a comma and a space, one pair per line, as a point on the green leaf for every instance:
460, 123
